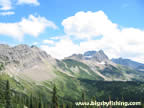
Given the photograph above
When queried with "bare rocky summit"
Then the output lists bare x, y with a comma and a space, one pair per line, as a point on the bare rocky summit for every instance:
97, 56
26, 61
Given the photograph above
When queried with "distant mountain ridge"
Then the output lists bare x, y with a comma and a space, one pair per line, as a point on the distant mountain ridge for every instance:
99, 62
129, 63
30, 62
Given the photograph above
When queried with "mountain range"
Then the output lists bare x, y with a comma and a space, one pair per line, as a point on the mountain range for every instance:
130, 63
31, 62
31, 69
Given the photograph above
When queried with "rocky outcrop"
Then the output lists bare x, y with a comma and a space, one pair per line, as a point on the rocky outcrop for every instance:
96, 55
27, 61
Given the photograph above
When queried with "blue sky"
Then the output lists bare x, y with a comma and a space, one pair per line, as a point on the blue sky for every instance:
63, 27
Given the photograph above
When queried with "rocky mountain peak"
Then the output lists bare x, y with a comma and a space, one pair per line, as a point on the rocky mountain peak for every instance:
98, 56
28, 61
101, 52
21, 53
89, 53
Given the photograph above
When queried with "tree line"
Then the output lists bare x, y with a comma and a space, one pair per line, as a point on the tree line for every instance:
11, 99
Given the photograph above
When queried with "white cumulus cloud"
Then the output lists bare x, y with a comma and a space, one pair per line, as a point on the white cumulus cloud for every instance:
34, 2
116, 42
62, 49
27, 26
48, 41
7, 5
88, 24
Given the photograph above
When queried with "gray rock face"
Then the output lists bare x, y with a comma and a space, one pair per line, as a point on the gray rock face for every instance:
98, 56
21, 53
94, 55
30, 61
90, 53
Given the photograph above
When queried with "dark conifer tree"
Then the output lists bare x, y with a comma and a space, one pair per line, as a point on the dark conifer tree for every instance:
1, 66
67, 106
8, 95
40, 103
54, 98
2, 97
83, 97
31, 102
